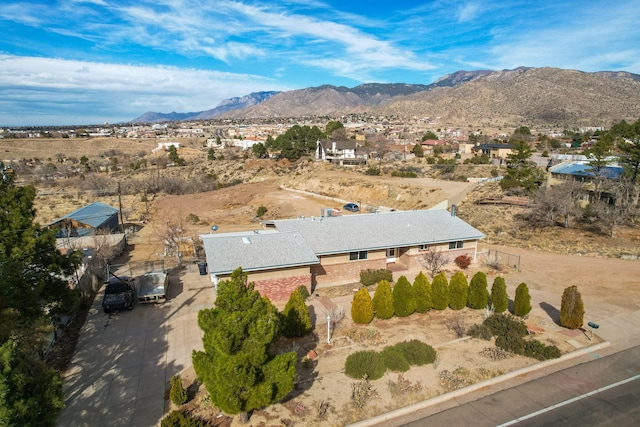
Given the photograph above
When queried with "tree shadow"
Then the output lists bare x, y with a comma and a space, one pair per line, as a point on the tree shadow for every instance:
551, 311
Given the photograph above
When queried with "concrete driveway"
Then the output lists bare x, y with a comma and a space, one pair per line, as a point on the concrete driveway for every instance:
124, 361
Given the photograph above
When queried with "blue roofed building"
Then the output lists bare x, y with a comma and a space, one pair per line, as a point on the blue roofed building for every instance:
320, 252
582, 171
87, 220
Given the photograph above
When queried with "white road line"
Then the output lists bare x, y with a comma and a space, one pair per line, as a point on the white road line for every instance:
566, 402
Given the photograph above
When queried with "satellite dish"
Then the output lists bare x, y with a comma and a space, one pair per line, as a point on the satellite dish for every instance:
214, 227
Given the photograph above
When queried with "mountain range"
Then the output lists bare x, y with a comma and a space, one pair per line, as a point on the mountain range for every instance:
538, 97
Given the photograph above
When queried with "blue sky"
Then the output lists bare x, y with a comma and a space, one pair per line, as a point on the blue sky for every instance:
94, 61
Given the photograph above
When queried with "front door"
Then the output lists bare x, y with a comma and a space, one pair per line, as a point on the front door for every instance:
392, 255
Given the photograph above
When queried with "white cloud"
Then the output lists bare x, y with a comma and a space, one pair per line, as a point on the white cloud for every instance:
468, 12
124, 90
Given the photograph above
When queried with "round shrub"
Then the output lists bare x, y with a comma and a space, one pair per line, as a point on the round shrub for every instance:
417, 353
512, 342
502, 324
179, 419
370, 276
480, 331
367, 362
177, 393
394, 359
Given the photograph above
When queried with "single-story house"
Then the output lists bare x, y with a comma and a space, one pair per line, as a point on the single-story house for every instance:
494, 151
87, 220
319, 252
582, 171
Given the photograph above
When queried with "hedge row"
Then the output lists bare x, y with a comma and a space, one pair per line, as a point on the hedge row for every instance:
396, 358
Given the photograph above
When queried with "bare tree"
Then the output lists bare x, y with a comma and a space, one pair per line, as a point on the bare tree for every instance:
434, 260
172, 233
556, 204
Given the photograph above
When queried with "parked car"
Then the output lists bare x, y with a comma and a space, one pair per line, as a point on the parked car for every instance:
352, 207
119, 293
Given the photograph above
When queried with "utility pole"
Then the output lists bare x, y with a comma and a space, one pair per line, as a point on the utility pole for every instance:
120, 210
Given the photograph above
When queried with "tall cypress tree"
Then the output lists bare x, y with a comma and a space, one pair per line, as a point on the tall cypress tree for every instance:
522, 300
478, 293
362, 307
458, 291
295, 316
440, 292
237, 366
383, 301
422, 290
404, 299
499, 297
571, 308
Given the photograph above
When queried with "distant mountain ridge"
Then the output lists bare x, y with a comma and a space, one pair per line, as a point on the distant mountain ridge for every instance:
540, 97
223, 107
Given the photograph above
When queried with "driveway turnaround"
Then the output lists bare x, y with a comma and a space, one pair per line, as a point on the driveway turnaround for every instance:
123, 362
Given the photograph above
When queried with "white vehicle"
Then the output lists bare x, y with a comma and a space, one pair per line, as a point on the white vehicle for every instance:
153, 286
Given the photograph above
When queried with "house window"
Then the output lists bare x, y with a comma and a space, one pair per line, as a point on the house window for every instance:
456, 245
354, 256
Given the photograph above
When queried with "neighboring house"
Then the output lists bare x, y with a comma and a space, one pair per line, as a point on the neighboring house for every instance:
583, 172
321, 252
429, 145
87, 220
494, 151
340, 152
164, 146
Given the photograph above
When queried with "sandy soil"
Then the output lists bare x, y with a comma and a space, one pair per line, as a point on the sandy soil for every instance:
609, 287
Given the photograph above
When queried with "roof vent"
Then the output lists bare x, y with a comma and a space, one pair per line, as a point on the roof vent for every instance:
246, 240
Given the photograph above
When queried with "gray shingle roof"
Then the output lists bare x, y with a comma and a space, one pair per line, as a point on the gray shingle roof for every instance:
330, 235
262, 250
300, 241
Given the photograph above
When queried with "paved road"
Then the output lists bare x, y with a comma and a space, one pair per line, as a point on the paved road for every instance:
528, 404
124, 361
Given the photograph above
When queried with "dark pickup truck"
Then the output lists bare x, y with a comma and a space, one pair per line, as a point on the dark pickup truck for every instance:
119, 293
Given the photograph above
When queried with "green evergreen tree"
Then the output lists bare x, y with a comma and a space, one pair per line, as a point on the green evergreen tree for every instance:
440, 292
458, 291
296, 317
571, 308
478, 293
30, 391
34, 293
383, 301
499, 297
177, 393
362, 307
404, 299
237, 366
422, 290
522, 301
